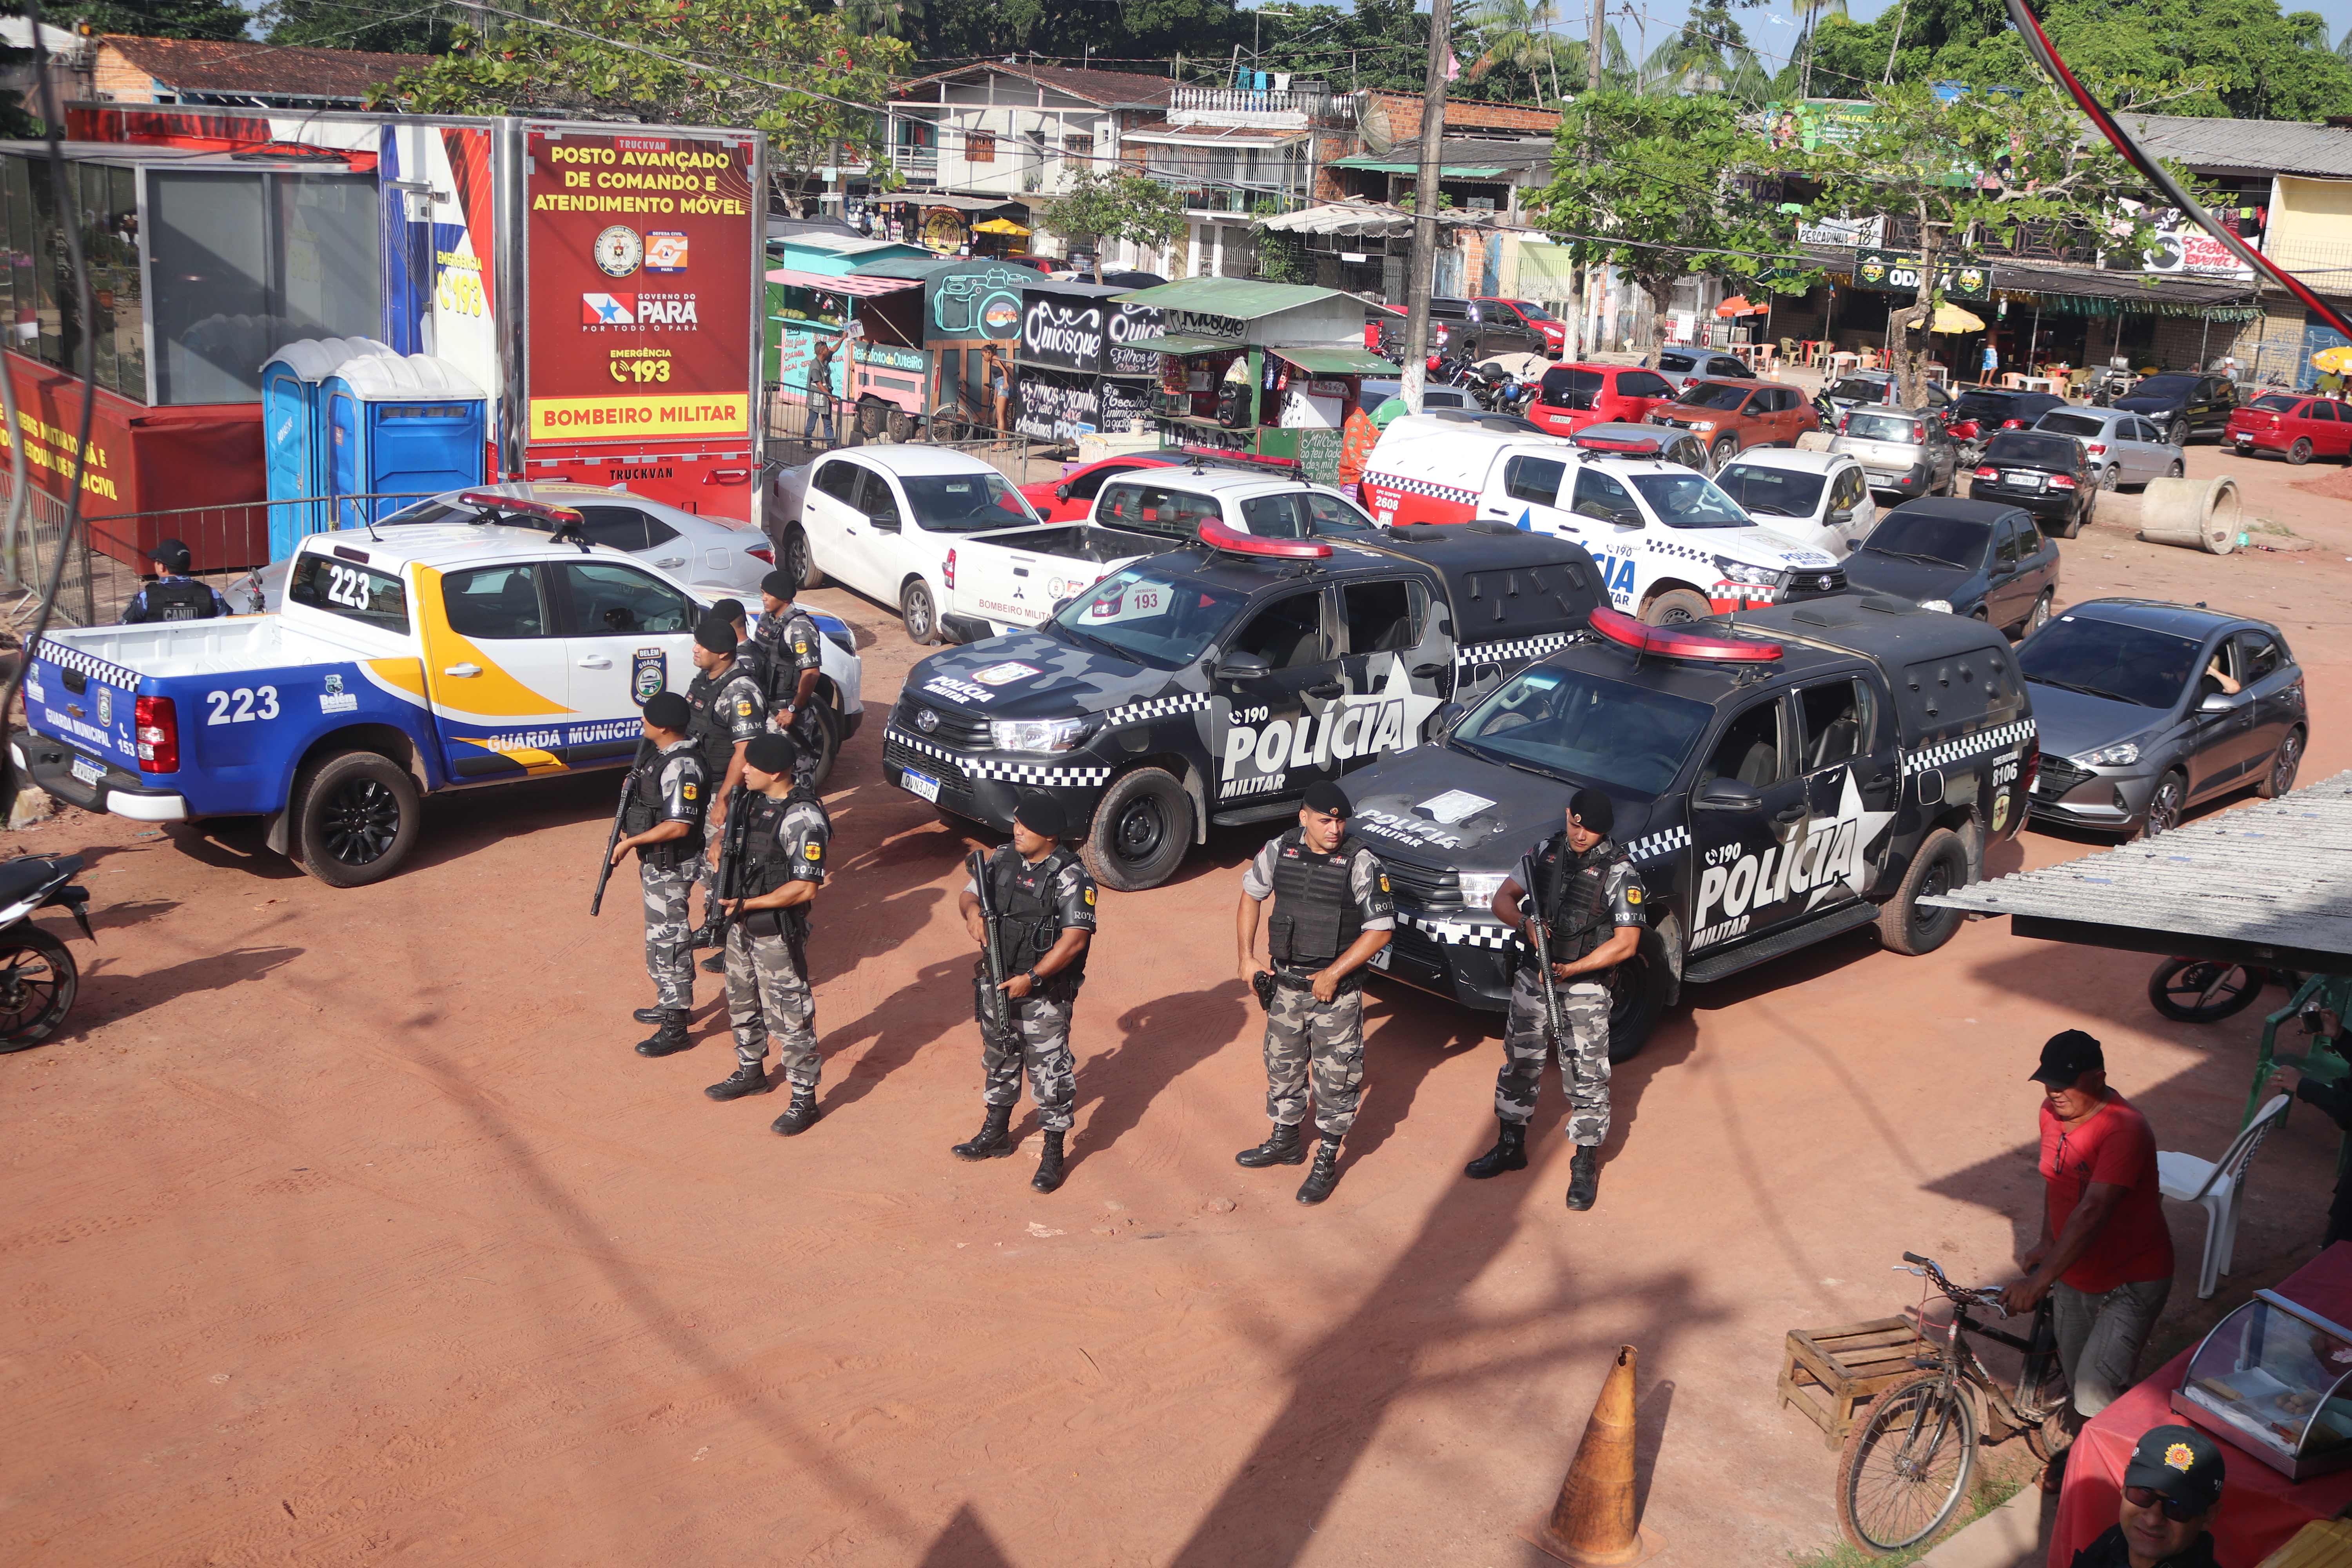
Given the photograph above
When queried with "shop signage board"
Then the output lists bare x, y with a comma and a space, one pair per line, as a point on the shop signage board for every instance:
1055, 405
1063, 331
1128, 323
1889, 272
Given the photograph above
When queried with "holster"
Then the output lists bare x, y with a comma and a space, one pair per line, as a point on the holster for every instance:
1262, 983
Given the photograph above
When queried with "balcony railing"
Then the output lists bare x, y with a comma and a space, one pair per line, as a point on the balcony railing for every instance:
1231, 196
1294, 109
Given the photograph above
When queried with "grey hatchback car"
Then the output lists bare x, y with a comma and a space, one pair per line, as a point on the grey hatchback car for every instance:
2124, 447
1906, 452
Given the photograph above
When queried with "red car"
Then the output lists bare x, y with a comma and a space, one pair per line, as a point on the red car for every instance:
1533, 317
2296, 425
1575, 395
1070, 497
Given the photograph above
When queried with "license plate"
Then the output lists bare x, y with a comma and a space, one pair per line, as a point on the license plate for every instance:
88, 772
1380, 958
2024, 482
923, 784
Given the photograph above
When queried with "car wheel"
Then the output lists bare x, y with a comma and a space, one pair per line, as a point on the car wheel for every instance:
2176, 435
1941, 866
2300, 452
900, 425
800, 561
829, 724
355, 818
1674, 606
920, 611
2164, 807
1139, 831
2082, 514
2111, 476
2176, 471
2284, 763
2039, 616
1726, 447
1637, 998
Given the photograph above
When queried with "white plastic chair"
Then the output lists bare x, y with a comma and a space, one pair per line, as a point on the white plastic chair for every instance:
2217, 1185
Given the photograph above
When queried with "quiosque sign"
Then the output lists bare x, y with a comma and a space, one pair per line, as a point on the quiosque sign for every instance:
1889, 272
1063, 331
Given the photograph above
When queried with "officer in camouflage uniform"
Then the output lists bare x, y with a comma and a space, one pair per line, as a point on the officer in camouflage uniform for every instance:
1331, 913
785, 832
1046, 907
794, 662
1588, 898
663, 801
728, 712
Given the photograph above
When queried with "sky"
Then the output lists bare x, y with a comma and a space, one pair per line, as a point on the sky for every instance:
1774, 28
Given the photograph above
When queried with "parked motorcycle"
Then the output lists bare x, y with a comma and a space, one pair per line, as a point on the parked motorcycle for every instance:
37, 977
2206, 990
1970, 437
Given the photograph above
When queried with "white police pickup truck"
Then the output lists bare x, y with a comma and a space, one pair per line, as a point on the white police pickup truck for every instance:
431, 657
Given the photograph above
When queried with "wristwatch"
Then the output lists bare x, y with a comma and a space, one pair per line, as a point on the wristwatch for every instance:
1033, 981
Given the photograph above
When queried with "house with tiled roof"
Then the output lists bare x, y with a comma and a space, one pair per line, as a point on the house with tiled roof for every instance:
121, 69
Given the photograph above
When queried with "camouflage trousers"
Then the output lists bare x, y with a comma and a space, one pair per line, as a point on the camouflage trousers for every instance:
808, 741
669, 957
1324, 1039
767, 999
1583, 1055
1043, 1024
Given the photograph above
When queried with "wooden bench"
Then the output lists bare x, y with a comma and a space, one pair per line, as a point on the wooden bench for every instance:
1829, 1373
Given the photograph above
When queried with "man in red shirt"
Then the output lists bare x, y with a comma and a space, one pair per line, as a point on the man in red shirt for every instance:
2105, 1254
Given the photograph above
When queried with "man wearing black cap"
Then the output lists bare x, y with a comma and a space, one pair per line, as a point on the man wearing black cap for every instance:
2172, 1490
1331, 913
785, 833
1046, 907
663, 799
1583, 890
794, 660
2105, 1258
728, 712
174, 595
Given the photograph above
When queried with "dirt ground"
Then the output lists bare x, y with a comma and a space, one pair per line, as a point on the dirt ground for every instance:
348, 1227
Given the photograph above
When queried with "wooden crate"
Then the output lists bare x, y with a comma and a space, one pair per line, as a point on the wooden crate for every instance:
1829, 1373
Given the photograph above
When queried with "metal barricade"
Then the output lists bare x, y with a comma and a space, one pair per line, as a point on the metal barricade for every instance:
29, 555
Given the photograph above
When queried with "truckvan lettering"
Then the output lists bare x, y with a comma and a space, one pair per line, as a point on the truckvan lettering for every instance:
237, 706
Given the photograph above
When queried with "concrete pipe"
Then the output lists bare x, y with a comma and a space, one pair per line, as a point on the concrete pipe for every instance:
2197, 514
1815, 441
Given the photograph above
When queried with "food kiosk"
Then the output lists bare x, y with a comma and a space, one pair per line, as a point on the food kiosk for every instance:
1075, 371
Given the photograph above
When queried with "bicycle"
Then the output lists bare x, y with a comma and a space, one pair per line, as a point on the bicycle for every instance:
1905, 1468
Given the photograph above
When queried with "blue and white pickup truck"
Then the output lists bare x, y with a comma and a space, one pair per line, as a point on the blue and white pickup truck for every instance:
428, 658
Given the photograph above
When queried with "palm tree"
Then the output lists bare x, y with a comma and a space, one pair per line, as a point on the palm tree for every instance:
1517, 33
2344, 47
1808, 13
1707, 54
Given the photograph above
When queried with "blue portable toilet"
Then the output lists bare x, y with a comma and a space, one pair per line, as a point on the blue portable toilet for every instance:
294, 447
399, 426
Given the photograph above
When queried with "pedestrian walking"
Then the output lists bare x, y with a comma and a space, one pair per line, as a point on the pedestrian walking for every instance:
174, 595
2172, 1490
728, 712
1581, 888
1044, 904
820, 394
663, 799
999, 381
794, 662
785, 834
1332, 911
1991, 363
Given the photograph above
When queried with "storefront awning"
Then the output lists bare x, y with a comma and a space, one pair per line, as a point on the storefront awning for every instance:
1180, 345
849, 284
1336, 362
1371, 165
1244, 299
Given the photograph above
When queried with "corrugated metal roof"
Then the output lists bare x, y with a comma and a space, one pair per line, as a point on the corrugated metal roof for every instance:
1373, 163
2246, 146
1239, 297
837, 283
1373, 220
2271, 883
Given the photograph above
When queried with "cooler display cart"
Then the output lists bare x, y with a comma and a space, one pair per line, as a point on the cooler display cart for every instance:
2270, 1379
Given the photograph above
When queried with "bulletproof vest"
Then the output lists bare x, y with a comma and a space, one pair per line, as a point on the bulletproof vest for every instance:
641, 808
1315, 918
766, 865
751, 659
179, 599
712, 734
1029, 924
1573, 895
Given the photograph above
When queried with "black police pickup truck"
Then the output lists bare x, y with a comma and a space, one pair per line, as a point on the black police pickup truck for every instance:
1779, 778
1213, 683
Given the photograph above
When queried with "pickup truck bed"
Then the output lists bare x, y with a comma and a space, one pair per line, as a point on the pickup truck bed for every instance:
1083, 541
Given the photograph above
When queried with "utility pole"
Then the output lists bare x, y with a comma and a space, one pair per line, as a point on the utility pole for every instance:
1420, 273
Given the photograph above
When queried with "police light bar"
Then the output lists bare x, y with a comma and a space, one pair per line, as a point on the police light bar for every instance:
1217, 536
1619, 627
490, 500
1288, 464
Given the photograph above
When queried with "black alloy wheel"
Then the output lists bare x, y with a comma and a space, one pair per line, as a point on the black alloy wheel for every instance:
2164, 807
2178, 435
359, 822
2285, 764
37, 981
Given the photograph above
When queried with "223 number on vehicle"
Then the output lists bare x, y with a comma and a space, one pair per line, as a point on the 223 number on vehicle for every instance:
242, 706
347, 587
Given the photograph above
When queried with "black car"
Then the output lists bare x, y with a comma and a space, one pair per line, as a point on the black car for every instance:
2183, 405
1994, 410
1982, 559
1488, 330
2049, 476
2147, 708
1683, 364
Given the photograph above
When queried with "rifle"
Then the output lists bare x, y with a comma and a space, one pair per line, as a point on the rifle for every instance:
1541, 936
991, 1006
628, 785
715, 918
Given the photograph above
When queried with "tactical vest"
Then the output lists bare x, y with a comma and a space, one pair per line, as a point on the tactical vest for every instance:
1029, 924
713, 736
1315, 918
180, 599
751, 659
641, 809
767, 865
1573, 895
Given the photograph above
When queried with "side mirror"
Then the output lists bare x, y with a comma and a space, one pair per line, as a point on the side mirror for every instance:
1244, 667
1626, 519
1728, 794
1840, 517
1061, 492
1063, 602
2221, 702
1442, 722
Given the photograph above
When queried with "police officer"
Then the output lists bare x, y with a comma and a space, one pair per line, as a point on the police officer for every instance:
750, 655
1332, 912
1046, 905
785, 831
174, 595
794, 663
664, 798
727, 713
1583, 890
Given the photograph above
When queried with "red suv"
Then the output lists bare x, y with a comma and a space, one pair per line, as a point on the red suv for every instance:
1533, 317
2298, 426
1575, 395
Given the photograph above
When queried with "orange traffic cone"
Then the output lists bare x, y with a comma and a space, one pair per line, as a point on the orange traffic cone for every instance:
1592, 1524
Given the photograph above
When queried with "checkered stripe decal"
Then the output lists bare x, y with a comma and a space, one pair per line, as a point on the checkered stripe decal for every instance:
1678, 549
86, 664
1519, 647
1423, 487
1009, 773
1663, 842
1458, 934
1943, 753
1158, 708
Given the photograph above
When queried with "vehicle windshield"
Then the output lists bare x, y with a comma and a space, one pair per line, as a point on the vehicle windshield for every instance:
1867, 426
966, 503
1859, 389
1994, 406
2058, 452
442, 512
2276, 402
1689, 500
1713, 394
2105, 658
1156, 620
2072, 424
1920, 536
1533, 311
2166, 386
1625, 738
1772, 493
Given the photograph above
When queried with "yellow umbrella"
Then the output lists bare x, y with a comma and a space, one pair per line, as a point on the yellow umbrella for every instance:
1950, 318
2339, 358
998, 225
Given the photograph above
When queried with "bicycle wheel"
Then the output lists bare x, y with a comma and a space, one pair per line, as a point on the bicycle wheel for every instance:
2203, 990
1905, 1467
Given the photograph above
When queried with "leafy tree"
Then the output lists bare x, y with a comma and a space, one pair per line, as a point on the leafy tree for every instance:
1112, 203
1518, 33
218, 19
331, 24
1658, 202
532, 69
1708, 53
1381, 44
1139, 35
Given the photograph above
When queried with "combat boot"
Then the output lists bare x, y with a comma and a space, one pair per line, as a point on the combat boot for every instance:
1049, 1164
991, 1142
649, 1014
1280, 1148
799, 1116
716, 963
1509, 1153
671, 1037
1583, 1177
1323, 1176
750, 1077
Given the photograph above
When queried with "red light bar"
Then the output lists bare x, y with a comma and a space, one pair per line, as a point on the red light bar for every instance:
1218, 536
489, 500
1619, 627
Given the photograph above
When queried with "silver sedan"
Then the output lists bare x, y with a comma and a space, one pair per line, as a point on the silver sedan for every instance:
2125, 449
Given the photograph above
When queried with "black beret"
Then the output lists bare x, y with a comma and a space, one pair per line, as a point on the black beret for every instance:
728, 610
1595, 810
770, 753
668, 710
716, 634
1042, 814
779, 584
1326, 798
